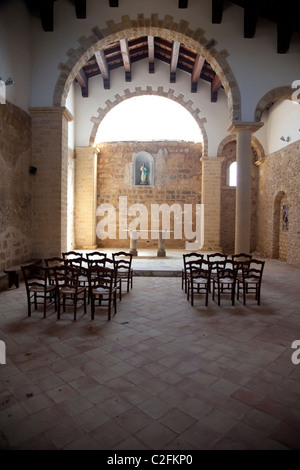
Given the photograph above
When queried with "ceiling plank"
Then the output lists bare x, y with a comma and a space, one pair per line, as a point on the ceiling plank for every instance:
174, 61
217, 11
103, 66
126, 59
83, 82
214, 89
285, 26
197, 69
46, 12
151, 53
183, 3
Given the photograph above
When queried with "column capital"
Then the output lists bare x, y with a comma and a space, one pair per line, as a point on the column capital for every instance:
237, 126
62, 110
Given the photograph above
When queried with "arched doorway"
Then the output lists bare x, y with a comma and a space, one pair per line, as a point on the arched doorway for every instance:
280, 226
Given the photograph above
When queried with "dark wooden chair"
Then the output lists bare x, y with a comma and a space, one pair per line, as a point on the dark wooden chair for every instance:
69, 292
123, 266
102, 288
252, 272
184, 274
225, 281
199, 280
38, 289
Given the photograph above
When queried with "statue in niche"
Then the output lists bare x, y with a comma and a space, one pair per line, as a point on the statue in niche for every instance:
144, 174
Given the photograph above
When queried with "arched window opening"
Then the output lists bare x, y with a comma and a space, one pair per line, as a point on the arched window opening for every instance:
232, 174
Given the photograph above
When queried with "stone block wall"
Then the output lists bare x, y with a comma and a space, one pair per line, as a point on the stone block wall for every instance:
279, 178
177, 180
15, 187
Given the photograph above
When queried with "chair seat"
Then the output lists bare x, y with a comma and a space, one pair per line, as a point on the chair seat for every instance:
252, 280
41, 289
100, 290
200, 281
227, 280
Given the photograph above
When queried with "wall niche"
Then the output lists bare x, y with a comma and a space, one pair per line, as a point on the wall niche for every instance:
143, 169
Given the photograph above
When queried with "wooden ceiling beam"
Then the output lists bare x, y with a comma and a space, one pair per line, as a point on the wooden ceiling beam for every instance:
46, 13
83, 82
214, 89
286, 25
174, 61
251, 13
126, 59
197, 69
217, 11
114, 3
80, 9
151, 53
103, 67
183, 3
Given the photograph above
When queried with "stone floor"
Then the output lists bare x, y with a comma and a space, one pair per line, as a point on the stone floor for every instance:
160, 375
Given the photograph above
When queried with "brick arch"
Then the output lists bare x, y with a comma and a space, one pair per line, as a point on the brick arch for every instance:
277, 94
257, 146
142, 26
150, 91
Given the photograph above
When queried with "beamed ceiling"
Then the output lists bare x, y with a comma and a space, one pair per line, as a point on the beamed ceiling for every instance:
123, 53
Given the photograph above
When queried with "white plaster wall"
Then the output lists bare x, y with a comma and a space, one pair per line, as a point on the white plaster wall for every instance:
15, 51
216, 114
70, 105
254, 62
283, 120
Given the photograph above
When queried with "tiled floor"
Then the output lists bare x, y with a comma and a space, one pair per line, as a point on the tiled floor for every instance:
160, 375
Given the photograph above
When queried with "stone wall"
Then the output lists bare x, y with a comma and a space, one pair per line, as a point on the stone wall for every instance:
279, 178
15, 187
175, 178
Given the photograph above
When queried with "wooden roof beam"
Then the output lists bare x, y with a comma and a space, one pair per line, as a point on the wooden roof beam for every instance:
126, 59
113, 3
46, 13
251, 13
174, 61
103, 67
183, 3
286, 25
198, 66
83, 82
151, 53
80, 9
217, 11
214, 89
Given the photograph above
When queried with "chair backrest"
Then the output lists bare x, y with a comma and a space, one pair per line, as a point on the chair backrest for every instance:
227, 273
241, 256
71, 254
187, 257
67, 276
253, 268
95, 256
35, 275
122, 265
212, 257
200, 270
126, 255
75, 262
100, 276
54, 261
110, 263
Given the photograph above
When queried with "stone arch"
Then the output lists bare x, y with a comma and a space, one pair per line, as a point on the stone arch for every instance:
166, 28
277, 94
257, 146
150, 91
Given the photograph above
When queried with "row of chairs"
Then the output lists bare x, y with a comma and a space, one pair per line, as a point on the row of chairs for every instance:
221, 275
65, 280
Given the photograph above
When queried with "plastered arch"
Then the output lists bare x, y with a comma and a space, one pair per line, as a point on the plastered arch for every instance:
154, 26
277, 94
150, 91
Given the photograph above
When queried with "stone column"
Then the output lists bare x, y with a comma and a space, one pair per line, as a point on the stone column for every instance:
243, 188
85, 197
211, 200
49, 184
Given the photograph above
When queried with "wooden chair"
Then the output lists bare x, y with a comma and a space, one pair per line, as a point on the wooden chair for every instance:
38, 289
225, 281
102, 288
68, 288
112, 264
216, 260
51, 263
251, 279
184, 274
123, 262
199, 280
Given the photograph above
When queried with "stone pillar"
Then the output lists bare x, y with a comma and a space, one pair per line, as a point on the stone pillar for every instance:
243, 188
49, 184
85, 197
211, 200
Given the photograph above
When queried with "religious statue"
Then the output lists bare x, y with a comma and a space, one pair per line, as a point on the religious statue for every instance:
144, 174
